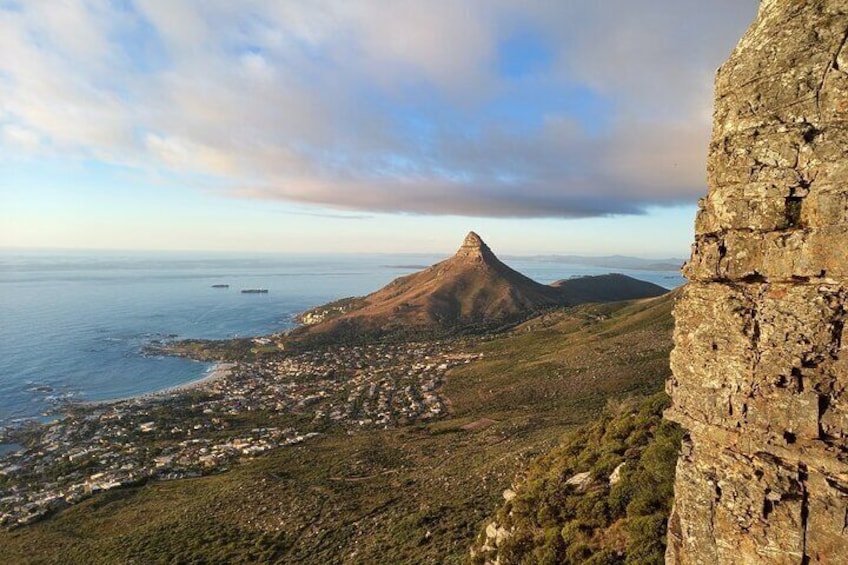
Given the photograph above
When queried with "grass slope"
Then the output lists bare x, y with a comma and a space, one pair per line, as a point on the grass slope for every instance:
618, 517
418, 494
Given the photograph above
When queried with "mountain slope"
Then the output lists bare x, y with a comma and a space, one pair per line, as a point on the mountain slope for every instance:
471, 289
472, 285
603, 496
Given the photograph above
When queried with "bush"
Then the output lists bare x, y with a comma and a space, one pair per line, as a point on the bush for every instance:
647, 540
605, 557
553, 522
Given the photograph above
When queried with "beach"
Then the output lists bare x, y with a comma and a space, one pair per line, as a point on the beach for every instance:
218, 370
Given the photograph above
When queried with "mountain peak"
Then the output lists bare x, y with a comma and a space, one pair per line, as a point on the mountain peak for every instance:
473, 240
473, 247
473, 289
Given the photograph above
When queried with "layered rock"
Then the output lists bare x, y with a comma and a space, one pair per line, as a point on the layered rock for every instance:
760, 369
473, 248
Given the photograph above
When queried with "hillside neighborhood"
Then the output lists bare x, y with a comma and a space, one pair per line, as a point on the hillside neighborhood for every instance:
206, 430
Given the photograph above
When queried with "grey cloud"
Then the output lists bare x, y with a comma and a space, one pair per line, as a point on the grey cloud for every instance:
433, 198
332, 216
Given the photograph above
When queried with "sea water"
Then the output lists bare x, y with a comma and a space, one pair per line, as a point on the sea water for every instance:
73, 325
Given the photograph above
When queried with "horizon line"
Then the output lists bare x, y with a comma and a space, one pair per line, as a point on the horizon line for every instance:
5, 249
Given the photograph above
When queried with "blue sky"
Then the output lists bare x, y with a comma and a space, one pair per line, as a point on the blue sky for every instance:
329, 126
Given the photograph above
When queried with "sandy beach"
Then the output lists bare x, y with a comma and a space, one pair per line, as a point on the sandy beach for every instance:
219, 370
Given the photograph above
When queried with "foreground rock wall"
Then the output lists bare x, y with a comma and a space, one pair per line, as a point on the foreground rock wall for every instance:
760, 361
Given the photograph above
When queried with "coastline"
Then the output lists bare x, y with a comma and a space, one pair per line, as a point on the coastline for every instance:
217, 371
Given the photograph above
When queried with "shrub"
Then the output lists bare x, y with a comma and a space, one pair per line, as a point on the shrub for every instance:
553, 522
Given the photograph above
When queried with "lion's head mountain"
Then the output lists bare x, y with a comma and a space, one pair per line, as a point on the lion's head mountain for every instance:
472, 289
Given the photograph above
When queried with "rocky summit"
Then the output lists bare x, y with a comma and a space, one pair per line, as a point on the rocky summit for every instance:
474, 249
472, 289
760, 365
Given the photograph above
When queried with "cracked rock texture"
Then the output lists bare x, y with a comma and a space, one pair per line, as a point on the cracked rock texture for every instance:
761, 352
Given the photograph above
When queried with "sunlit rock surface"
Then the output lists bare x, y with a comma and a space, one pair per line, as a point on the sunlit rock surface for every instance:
760, 369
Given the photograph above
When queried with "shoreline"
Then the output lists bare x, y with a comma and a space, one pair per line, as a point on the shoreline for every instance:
217, 371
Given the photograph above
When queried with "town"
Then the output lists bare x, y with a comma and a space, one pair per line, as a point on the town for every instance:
278, 400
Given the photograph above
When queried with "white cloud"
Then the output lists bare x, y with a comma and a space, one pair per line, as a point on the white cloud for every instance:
374, 105
21, 137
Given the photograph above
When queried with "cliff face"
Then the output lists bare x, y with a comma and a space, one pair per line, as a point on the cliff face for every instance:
760, 361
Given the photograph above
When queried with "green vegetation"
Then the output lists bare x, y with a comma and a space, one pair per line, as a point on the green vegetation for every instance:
618, 517
416, 494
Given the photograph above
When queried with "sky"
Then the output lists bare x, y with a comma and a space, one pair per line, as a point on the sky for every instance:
332, 126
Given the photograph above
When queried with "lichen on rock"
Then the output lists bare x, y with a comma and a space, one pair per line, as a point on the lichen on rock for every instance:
760, 371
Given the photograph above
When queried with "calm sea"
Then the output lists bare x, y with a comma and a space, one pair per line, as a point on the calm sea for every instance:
73, 324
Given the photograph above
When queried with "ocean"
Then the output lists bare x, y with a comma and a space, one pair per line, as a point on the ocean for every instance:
73, 325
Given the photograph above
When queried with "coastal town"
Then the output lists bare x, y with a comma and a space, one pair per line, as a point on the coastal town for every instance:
242, 411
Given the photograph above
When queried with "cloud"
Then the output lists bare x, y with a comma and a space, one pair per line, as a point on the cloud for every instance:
402, 106
23, 138
331, 216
